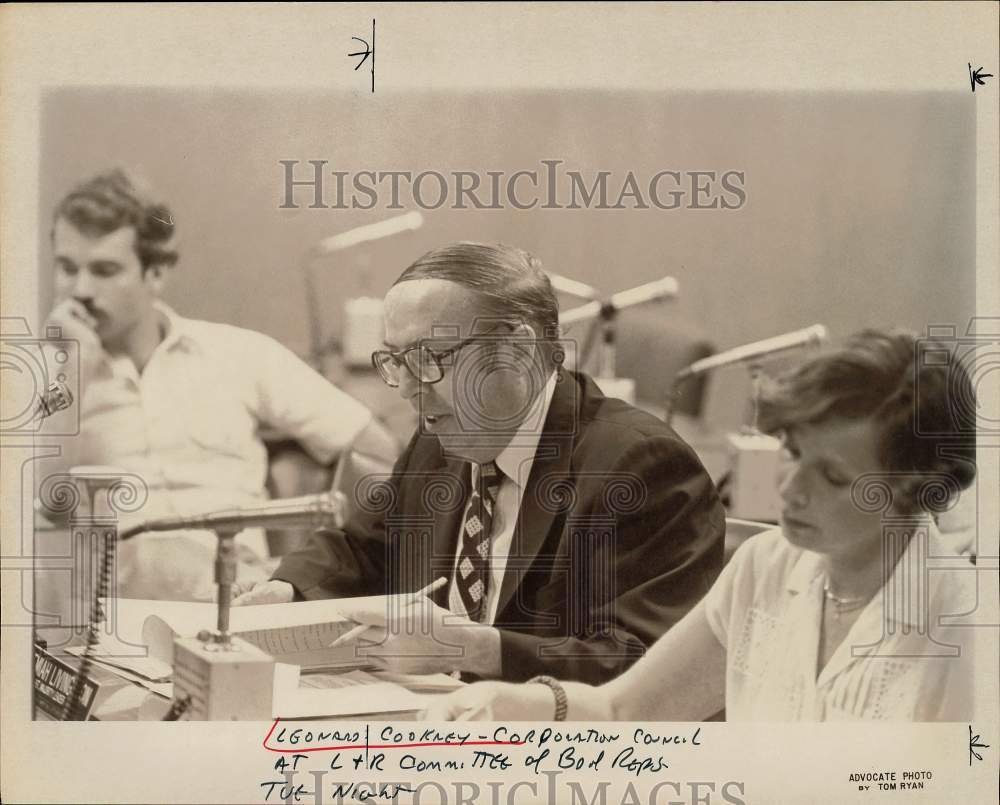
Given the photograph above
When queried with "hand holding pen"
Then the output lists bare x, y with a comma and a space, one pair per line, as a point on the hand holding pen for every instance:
358, 630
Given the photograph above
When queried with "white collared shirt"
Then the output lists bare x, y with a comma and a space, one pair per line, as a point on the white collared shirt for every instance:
515, 464
766, 609
189, 424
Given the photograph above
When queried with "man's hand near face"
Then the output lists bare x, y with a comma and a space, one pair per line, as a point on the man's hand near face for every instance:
77, 324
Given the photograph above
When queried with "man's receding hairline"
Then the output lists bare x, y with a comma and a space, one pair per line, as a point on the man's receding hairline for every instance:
466, 290
483, 320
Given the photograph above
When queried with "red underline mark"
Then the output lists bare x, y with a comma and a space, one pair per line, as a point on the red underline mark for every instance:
304, 749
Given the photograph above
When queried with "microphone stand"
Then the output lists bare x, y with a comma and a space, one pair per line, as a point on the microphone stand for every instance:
314, 510
407, 222
225, 578
606, 314
755, 369
90, 482
810, 336
756, 372
672, 395
609, 338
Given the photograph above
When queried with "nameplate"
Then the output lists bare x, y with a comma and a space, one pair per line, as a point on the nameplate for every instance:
54, 681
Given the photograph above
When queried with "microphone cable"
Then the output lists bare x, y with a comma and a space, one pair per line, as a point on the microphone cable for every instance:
73, 701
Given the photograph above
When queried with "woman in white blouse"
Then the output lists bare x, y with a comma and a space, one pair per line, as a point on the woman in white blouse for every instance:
834, 615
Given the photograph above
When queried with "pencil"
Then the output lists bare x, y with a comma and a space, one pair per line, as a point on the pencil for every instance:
435, 585
350, 634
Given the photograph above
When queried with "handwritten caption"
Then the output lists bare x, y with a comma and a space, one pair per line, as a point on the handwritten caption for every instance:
331, 763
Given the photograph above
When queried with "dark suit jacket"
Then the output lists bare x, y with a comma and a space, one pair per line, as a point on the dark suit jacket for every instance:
619, 534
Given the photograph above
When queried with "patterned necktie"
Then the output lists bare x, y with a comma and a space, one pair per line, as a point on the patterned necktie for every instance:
473, 572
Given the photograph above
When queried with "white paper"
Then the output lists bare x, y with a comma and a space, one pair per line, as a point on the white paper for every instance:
296, 632
379, 698
421, 683
336, 694
148, 669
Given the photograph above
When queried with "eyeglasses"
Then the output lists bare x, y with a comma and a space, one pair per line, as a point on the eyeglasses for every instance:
423, 363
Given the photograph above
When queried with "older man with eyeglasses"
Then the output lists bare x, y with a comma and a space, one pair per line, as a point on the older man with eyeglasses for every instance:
555, 531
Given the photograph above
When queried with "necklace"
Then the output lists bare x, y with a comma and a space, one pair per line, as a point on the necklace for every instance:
842, 606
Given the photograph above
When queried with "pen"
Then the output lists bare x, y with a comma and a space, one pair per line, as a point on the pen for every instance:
435, 585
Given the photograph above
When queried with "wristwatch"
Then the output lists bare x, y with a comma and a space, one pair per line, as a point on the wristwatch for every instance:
557, 691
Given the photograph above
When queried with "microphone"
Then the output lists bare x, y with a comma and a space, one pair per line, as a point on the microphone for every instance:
398, 224
561, 284
665, 288
312, 510
57, 397
406, 222
809, 336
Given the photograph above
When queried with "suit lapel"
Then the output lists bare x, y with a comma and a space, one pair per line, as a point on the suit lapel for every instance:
436, 490
447, 517
543, 500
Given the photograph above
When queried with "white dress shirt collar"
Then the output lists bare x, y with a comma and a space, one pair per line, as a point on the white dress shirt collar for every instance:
178, 331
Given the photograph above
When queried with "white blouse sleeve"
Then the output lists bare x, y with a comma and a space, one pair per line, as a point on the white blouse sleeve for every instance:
734, 590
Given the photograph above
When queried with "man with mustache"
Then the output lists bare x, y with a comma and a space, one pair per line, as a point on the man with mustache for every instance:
548, 528
178, 402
